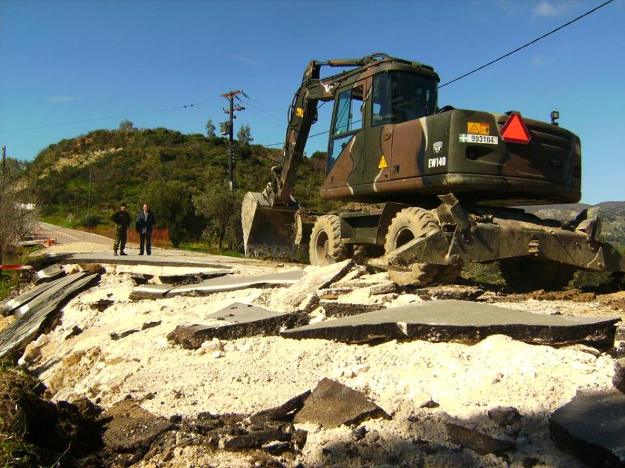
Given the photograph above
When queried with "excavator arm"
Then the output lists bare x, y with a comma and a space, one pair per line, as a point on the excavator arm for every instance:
302, 116
270, 221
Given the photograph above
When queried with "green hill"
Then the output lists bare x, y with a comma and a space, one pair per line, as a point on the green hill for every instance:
83, 179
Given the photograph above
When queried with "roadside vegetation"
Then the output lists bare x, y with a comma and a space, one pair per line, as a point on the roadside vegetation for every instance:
79, 182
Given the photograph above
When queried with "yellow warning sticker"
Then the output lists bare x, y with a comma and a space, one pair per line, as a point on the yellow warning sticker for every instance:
478, 128
382, 164
299, 112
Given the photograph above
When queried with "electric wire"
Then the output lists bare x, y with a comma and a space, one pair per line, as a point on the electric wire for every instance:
188, 106
96, 119
526, 44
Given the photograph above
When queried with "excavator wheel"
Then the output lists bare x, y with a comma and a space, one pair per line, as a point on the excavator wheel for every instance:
325, 245
412, 223
525, 274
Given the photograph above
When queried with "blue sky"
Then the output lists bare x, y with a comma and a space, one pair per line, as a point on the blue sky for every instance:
68, 67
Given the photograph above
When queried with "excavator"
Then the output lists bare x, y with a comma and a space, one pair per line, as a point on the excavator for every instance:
426, 189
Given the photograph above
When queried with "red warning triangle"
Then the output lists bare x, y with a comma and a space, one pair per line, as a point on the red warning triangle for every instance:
515, 131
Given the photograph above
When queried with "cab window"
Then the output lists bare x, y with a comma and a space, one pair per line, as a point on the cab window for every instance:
401, 96
348, 118
348, 111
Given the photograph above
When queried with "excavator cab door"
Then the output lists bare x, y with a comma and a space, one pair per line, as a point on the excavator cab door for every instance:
346, 142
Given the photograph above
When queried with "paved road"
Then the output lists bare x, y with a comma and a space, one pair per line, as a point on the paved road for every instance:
66, 236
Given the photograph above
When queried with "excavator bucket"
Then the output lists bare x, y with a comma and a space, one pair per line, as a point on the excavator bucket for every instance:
270, 231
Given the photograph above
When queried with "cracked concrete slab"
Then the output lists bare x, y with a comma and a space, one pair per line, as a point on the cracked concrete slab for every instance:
591, 426
237, 320
462, 321
153, 260
232, 283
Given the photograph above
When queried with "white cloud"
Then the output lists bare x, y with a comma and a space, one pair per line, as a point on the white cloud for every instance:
545, 8
248, 61
551, 8
62, 99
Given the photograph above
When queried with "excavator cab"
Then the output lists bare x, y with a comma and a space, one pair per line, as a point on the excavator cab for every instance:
367, 108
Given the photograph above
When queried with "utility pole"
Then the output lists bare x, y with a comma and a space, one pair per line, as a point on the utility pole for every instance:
227, 128
4, 166
89, 194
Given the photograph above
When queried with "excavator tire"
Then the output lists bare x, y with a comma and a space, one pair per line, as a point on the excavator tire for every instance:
524, 274
412, 223
325, 245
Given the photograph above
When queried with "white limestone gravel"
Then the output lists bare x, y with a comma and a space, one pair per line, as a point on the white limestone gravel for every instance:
251, 374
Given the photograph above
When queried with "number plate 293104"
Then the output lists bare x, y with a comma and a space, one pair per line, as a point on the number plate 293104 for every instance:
471, 138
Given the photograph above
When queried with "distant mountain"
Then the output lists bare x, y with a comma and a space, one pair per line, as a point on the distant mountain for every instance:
612, 214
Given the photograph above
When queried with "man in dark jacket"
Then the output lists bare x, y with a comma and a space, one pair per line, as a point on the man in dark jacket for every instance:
121, 218
145, 224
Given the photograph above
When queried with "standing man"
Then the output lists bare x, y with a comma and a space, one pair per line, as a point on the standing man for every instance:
145, 224
121, 218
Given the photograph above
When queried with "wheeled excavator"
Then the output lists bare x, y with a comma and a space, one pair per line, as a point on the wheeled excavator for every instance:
428, 189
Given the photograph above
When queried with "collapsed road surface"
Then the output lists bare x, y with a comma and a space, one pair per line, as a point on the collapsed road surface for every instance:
186, 362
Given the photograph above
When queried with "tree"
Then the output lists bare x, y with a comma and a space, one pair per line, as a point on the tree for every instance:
222, 209
244, 135
126, 126
16, 216
210, 129
173, 207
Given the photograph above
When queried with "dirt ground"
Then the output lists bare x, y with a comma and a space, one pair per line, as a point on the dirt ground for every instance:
5, 321
84, 357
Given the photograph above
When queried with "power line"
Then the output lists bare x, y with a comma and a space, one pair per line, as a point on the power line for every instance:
309, 136
526, 45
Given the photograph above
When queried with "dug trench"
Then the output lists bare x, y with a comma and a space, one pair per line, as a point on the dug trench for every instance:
243, 393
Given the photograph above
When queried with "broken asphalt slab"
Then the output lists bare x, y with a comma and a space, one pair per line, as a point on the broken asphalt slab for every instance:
236, 321
150, 291
461, 321
591, 427
477, 441
12, 305
153, 260
235, 282
130, 428
33, 315
332, 404
191, 278
345, 309
48, 274
314, 279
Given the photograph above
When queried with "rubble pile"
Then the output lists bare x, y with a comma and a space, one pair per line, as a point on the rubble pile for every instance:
228, 365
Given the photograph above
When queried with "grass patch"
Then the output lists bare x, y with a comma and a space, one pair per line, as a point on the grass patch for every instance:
483, 273
203, 247
61, 220
7, 283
